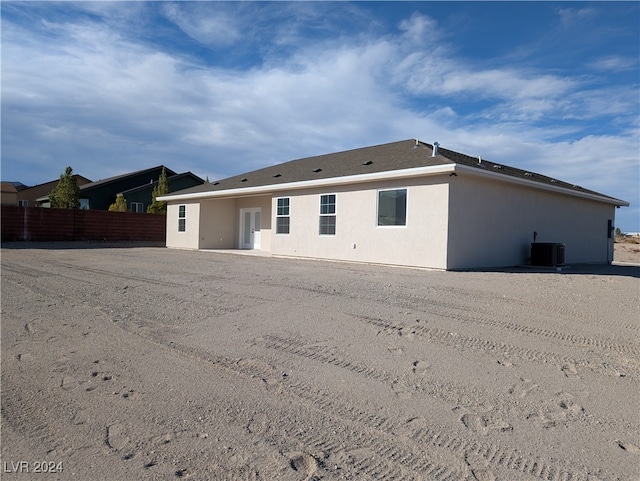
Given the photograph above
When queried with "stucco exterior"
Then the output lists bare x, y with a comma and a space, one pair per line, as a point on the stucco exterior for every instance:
460, 212
215, 223
189, 238
422, 242
492, 223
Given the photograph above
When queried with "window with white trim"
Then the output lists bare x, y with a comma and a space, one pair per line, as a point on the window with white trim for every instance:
327, 214
182, 218
282, 215
392, 207
137, 207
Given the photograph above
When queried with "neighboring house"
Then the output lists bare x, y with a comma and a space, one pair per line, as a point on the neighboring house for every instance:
28, 197
9, 192
139, 198
403, 203
136, 187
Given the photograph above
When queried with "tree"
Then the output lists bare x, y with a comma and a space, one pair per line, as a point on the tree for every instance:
66, 195
120, 205
157, 206
618, 232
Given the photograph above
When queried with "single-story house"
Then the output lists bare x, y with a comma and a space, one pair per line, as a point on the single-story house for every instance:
405, 203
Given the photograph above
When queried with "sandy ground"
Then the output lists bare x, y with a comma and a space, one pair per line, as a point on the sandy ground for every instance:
148, 363
626, 253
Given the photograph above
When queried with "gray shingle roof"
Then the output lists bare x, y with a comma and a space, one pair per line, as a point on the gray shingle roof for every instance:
405, 154
116, 178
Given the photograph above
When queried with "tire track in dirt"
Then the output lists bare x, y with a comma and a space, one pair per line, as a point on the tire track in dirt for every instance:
470, 314
419, 302
117, 436
496, 457
142, 302
473, 399
446, 338
478, 296
24, 416
387, 463
448, 393
415, 460
427, 305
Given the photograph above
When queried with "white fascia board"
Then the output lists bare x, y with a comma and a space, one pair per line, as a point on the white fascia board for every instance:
538, 185
306, 184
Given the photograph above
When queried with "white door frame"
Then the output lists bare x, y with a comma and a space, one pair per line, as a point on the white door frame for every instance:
250, 228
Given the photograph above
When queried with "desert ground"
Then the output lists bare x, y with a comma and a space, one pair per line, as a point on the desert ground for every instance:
135, 363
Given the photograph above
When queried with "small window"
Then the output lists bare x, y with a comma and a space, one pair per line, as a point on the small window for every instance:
137, 207
392, 207
328, 214
182, 218
282, 216
23, 203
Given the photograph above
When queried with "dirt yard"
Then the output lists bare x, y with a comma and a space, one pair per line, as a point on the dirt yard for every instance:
626, 253
124, 363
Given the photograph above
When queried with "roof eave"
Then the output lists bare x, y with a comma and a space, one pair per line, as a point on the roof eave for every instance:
539, 185
306, 184
389, 175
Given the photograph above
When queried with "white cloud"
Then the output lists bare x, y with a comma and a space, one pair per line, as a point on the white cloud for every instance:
615, 63
571, 16
419, 29
195, 19
94, 94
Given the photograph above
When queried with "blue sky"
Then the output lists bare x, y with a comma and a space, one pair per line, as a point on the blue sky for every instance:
220, 88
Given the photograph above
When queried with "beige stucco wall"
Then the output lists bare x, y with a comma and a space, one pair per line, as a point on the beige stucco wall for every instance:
456, 222
214, 223
492, 223
422, 242
189, 238
218, 224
